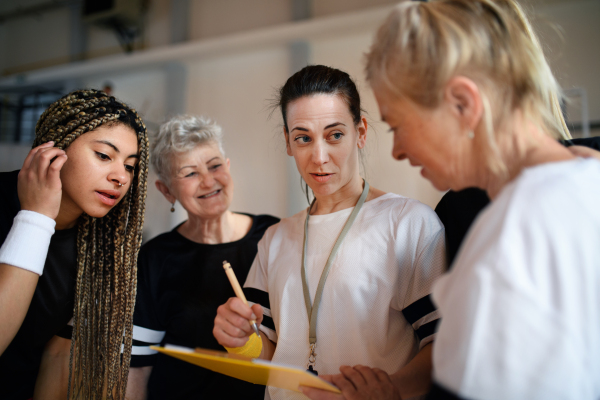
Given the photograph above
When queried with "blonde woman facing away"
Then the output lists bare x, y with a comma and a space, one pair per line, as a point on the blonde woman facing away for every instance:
468, 95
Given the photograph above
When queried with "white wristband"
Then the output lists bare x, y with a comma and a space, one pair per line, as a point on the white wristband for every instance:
26, 245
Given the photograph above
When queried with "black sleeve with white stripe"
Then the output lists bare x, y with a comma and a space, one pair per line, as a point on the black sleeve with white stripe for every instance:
260, 297
141, 353
422, 315
147, 327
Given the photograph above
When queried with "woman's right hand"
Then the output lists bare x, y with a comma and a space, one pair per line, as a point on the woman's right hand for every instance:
39, 185
232, 323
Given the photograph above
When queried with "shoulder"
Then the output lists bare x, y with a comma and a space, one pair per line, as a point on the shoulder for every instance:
405, 210
591, 142
9, 201
264, 221
542, 211
286, 227
553, 186
158, 248
8, 189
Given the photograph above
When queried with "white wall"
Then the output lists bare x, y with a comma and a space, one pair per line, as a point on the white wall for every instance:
571, 36
31, 41
210, 18
382, 171
234, 86
12, 156
234, 90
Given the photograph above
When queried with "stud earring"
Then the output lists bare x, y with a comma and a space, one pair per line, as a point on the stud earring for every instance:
471, 134
173, 207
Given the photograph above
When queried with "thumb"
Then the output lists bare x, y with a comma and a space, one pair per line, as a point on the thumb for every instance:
258, 312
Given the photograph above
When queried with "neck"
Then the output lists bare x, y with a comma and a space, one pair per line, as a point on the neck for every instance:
220, 229
67, 217
345, 197
521, 150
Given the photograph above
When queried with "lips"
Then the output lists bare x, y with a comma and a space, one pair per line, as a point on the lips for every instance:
108, 197
209, 195
321, 177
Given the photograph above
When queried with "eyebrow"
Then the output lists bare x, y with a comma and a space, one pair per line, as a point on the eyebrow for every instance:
186, 166
106, 142
327, 127
194, 165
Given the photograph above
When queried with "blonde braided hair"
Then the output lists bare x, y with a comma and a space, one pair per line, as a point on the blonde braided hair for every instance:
107, 250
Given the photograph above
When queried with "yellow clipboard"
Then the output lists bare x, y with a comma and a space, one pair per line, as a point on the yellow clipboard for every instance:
251, 370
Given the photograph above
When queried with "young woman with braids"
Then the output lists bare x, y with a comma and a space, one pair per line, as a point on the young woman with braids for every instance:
74, 212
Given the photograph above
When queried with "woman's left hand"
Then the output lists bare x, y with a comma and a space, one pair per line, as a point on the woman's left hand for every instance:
356, 383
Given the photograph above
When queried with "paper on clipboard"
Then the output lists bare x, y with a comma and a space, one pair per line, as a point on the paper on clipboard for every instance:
255, 371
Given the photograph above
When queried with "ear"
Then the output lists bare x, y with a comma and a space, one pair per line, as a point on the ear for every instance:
287, 142
227, 162
164, 189
466, 101
362, 132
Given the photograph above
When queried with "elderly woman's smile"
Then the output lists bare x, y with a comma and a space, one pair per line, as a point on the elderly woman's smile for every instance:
202, 182
209, 195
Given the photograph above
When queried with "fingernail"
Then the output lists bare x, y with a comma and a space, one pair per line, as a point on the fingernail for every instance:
253, 316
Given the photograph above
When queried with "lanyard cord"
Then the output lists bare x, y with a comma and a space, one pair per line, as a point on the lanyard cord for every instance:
313, 310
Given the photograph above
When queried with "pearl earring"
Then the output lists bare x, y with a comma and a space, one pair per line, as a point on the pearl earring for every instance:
470, 134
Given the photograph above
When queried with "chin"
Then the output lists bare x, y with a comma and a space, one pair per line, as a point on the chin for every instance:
98, 213
440, 185
99, 210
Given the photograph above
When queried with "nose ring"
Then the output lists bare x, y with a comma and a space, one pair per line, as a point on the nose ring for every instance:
120, 184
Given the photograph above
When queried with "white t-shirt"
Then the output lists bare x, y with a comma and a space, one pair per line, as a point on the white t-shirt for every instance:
521, 306
384, 268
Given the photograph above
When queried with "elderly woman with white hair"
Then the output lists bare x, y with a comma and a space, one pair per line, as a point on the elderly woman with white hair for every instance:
180, 274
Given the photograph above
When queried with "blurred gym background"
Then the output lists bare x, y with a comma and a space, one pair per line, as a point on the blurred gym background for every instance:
225, 59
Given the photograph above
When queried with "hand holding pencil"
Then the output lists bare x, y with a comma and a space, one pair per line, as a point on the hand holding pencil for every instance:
233, 323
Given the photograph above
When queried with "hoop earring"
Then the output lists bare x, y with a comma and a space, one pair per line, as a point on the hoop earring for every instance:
471, 134
173, 207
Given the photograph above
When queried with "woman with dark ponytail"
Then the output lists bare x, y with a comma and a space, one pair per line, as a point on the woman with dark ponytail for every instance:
75, 212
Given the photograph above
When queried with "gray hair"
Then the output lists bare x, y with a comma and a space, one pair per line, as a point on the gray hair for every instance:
179, 135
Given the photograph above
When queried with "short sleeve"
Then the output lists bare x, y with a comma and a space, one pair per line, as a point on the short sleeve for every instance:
516, 306
256, 287
497, 339
429, 264
147, 329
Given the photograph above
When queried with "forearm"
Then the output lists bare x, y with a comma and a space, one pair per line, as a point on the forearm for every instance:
414, 378
268, 348
137, 383
53, 375
16, 291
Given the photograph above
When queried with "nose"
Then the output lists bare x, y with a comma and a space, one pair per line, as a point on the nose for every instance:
119, 176
398, 151
320, 155
207, 181
398, 155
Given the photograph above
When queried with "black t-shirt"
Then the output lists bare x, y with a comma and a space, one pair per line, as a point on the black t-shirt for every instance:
180, 286
458, 210
51, 307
